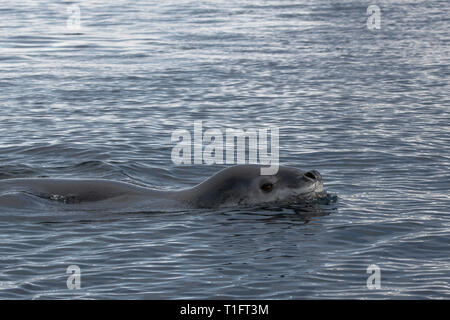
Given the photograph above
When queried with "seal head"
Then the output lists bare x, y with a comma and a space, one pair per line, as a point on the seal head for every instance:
244, 185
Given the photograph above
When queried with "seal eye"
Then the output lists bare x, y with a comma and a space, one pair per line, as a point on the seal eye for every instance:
267, 187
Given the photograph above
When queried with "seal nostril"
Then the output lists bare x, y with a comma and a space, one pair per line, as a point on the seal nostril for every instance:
310, 175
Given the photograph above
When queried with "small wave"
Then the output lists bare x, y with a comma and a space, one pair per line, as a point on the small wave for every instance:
17, 171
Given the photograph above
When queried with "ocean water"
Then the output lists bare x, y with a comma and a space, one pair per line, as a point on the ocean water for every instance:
95, 89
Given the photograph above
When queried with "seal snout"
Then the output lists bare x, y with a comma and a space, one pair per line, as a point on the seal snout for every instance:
313, 175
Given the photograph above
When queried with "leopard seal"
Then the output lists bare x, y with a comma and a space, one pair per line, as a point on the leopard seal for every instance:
240, 185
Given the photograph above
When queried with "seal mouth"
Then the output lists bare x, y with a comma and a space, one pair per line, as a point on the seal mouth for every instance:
316, 186
300, 199
311, 192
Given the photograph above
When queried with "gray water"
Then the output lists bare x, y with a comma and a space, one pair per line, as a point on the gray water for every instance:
369, 109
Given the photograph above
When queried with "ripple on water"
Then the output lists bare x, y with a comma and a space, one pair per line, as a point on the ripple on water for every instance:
368, 109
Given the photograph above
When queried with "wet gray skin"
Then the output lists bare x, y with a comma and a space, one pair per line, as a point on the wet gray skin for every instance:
244, 185
240, 185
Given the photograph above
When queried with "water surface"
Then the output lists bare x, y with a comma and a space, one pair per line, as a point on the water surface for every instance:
368, 109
